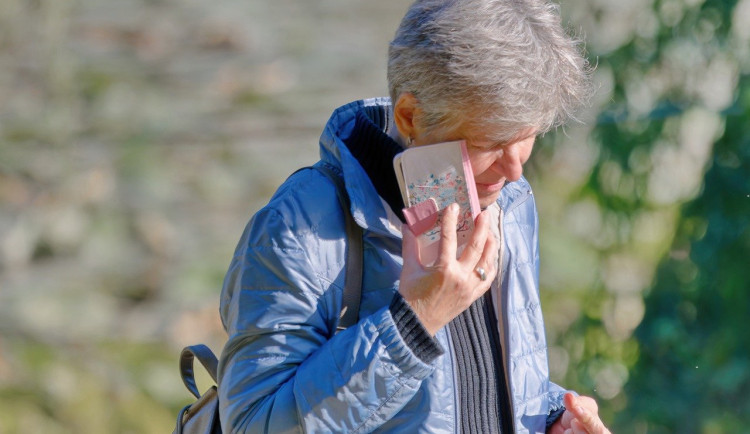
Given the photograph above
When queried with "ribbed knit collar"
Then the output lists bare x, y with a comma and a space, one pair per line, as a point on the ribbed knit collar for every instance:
374, 149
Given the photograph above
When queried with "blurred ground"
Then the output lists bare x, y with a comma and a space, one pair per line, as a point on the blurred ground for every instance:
137, 139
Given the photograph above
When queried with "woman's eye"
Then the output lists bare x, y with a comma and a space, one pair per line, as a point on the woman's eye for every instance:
490, 146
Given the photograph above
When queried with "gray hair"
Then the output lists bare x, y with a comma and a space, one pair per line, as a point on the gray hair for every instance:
508, 64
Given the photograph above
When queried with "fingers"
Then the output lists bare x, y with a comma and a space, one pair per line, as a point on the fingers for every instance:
440, 292
488, 261
481, 282
447, 251
583, 415
475, 252
480, 251
556, 428
589, 421
567, 417
576, 427
569, 400
583, 402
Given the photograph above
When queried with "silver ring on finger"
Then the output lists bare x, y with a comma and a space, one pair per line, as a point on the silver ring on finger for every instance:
482, 274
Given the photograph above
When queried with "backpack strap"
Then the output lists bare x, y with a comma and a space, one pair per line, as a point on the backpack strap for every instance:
207, 359
354, 252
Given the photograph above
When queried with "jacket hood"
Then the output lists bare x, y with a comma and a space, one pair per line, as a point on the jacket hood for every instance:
368, 210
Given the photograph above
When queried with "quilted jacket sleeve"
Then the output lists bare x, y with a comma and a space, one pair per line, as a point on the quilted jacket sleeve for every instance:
554, 392
556, 406
282, 369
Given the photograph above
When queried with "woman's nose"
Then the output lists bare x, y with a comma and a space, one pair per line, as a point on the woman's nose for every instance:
508, 163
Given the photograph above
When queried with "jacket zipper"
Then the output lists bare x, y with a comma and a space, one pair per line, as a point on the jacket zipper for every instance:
516, 203
507, 421
507, 418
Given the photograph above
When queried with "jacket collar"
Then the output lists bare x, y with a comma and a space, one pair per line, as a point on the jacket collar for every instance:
514, 194
367, 208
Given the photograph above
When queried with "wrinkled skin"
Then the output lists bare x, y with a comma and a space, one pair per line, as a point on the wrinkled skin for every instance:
581, 417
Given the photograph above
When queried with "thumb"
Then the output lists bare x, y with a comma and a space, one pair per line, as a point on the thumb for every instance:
585, 416
569, 400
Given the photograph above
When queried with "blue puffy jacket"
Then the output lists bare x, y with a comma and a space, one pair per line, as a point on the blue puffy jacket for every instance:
284, 370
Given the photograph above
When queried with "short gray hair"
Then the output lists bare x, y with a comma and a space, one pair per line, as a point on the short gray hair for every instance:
508, 64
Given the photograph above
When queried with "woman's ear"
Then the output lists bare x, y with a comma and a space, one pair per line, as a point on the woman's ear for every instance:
405, 115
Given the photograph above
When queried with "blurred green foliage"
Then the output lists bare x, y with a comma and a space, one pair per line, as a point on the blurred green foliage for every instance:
136, 138
694, 371
679, 236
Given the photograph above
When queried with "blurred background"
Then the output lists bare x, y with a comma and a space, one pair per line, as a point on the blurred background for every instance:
137, 138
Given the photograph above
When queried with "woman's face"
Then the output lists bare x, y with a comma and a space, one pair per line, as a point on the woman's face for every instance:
493, 163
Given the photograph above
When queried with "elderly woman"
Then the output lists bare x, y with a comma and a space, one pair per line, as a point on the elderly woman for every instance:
437, 349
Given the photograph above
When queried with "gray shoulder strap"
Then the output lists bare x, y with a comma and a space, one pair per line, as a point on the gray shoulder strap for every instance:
207, 359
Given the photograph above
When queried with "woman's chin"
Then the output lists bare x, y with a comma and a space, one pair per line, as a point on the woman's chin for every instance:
488, 199
488, 193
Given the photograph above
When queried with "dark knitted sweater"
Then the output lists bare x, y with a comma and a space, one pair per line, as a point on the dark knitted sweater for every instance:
479, 375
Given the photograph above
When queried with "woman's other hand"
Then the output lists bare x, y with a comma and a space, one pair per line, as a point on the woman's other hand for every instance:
439, 293
580, 417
